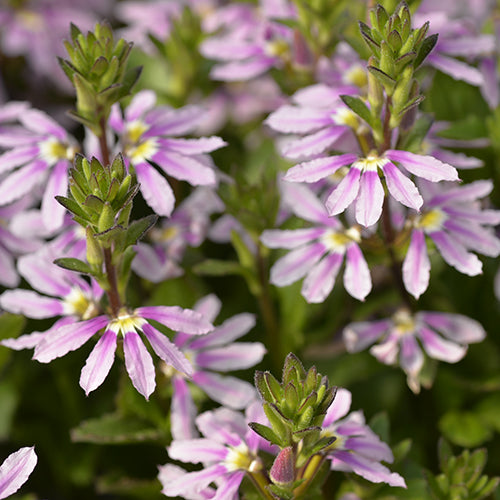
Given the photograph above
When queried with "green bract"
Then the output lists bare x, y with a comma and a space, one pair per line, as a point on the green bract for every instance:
296, 408
97, 69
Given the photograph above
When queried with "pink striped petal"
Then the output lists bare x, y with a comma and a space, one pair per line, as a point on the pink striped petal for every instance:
370, 199
357, 279
313, 144
296, 264
401, 188
455, 254
339, 408
182, 411
345, 193
298, 120
226, 390
241, 71
456, 69
320, 280
15, 470
232, 329
8, 274
474, 237
177, 318
416, 266
67, 338
22, 181
185, 168
426, 167
52, 211
167, 350
237, 356
439, 348
290, 238
455, 327
359, 335
99, 362
411, 356
193, 481
17, 157
314, 170
304, 203
31, 304
155, 189
139, 364
197, 450
41, 123
140, 104
192, 146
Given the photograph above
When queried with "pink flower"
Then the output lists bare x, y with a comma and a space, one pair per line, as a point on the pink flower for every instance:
442, 336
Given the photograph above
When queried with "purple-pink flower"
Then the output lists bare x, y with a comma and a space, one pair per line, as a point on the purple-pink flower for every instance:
227, 451
39, 153
362, 183
317, 252
15, 470
150, 134
357, 448
401, 338
452, 217
215, 352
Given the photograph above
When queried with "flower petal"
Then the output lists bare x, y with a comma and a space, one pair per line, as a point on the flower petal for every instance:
357, 279
176, 318
314, 170
401, 188
15, 470
416, 266
345, 193
370, 199
320, 280
139, 364
155, 189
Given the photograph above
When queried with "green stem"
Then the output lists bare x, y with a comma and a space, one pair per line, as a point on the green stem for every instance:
112, 290
260, 482
268, 313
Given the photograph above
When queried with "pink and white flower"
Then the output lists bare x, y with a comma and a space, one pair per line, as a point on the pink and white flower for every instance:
150, 134
317, 252
452, 217
357, 448
363, 184
401, 338
213, 353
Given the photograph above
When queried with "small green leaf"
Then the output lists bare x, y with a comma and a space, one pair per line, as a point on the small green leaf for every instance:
215, 267
358, 106
464, 428
383, 78
425, 49
139, 228
73, 264
265, 432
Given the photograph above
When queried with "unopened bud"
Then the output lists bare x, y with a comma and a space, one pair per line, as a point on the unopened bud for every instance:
282, 472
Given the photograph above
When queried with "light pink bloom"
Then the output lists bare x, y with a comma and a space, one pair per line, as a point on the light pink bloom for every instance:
400, 339
317, 252
228, 449
39, 153
150, 133
357, 448
213, 353
362, 182
452, 217
15, 470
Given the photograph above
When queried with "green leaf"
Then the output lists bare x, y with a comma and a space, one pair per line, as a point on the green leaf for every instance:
139, 228
215, 267
358, 106
382, 77
265, 432
425, 49
73, 264
464, 428
115, 428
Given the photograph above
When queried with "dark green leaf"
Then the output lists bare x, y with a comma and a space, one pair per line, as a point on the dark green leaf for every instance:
139, 228
73, 264
358, 106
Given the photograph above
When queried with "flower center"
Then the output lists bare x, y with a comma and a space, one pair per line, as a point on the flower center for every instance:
135, 148
337, 241
240, 458
371, 162
432, 220
53, 150
80, 304
126, 322
356, 75
346, 117
404, 323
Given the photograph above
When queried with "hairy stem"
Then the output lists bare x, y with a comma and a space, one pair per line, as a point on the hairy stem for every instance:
112, 291
260, 482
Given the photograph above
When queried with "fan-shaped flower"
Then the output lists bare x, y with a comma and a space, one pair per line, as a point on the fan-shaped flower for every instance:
442, 336
149, 133
318, 251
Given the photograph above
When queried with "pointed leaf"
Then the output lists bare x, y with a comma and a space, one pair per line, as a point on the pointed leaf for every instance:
73, 264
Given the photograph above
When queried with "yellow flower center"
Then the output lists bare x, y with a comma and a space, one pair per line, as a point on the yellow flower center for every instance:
126, 322
346, 117
53, 150
371, 162
80, 304
277, 48
135, 148
432, 220
165, 234
240, 458
404, 323
337, 241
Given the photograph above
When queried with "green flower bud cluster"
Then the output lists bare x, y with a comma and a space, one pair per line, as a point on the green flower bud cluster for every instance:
295, 408
396, 51
97, 69
461, 477
100, 199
